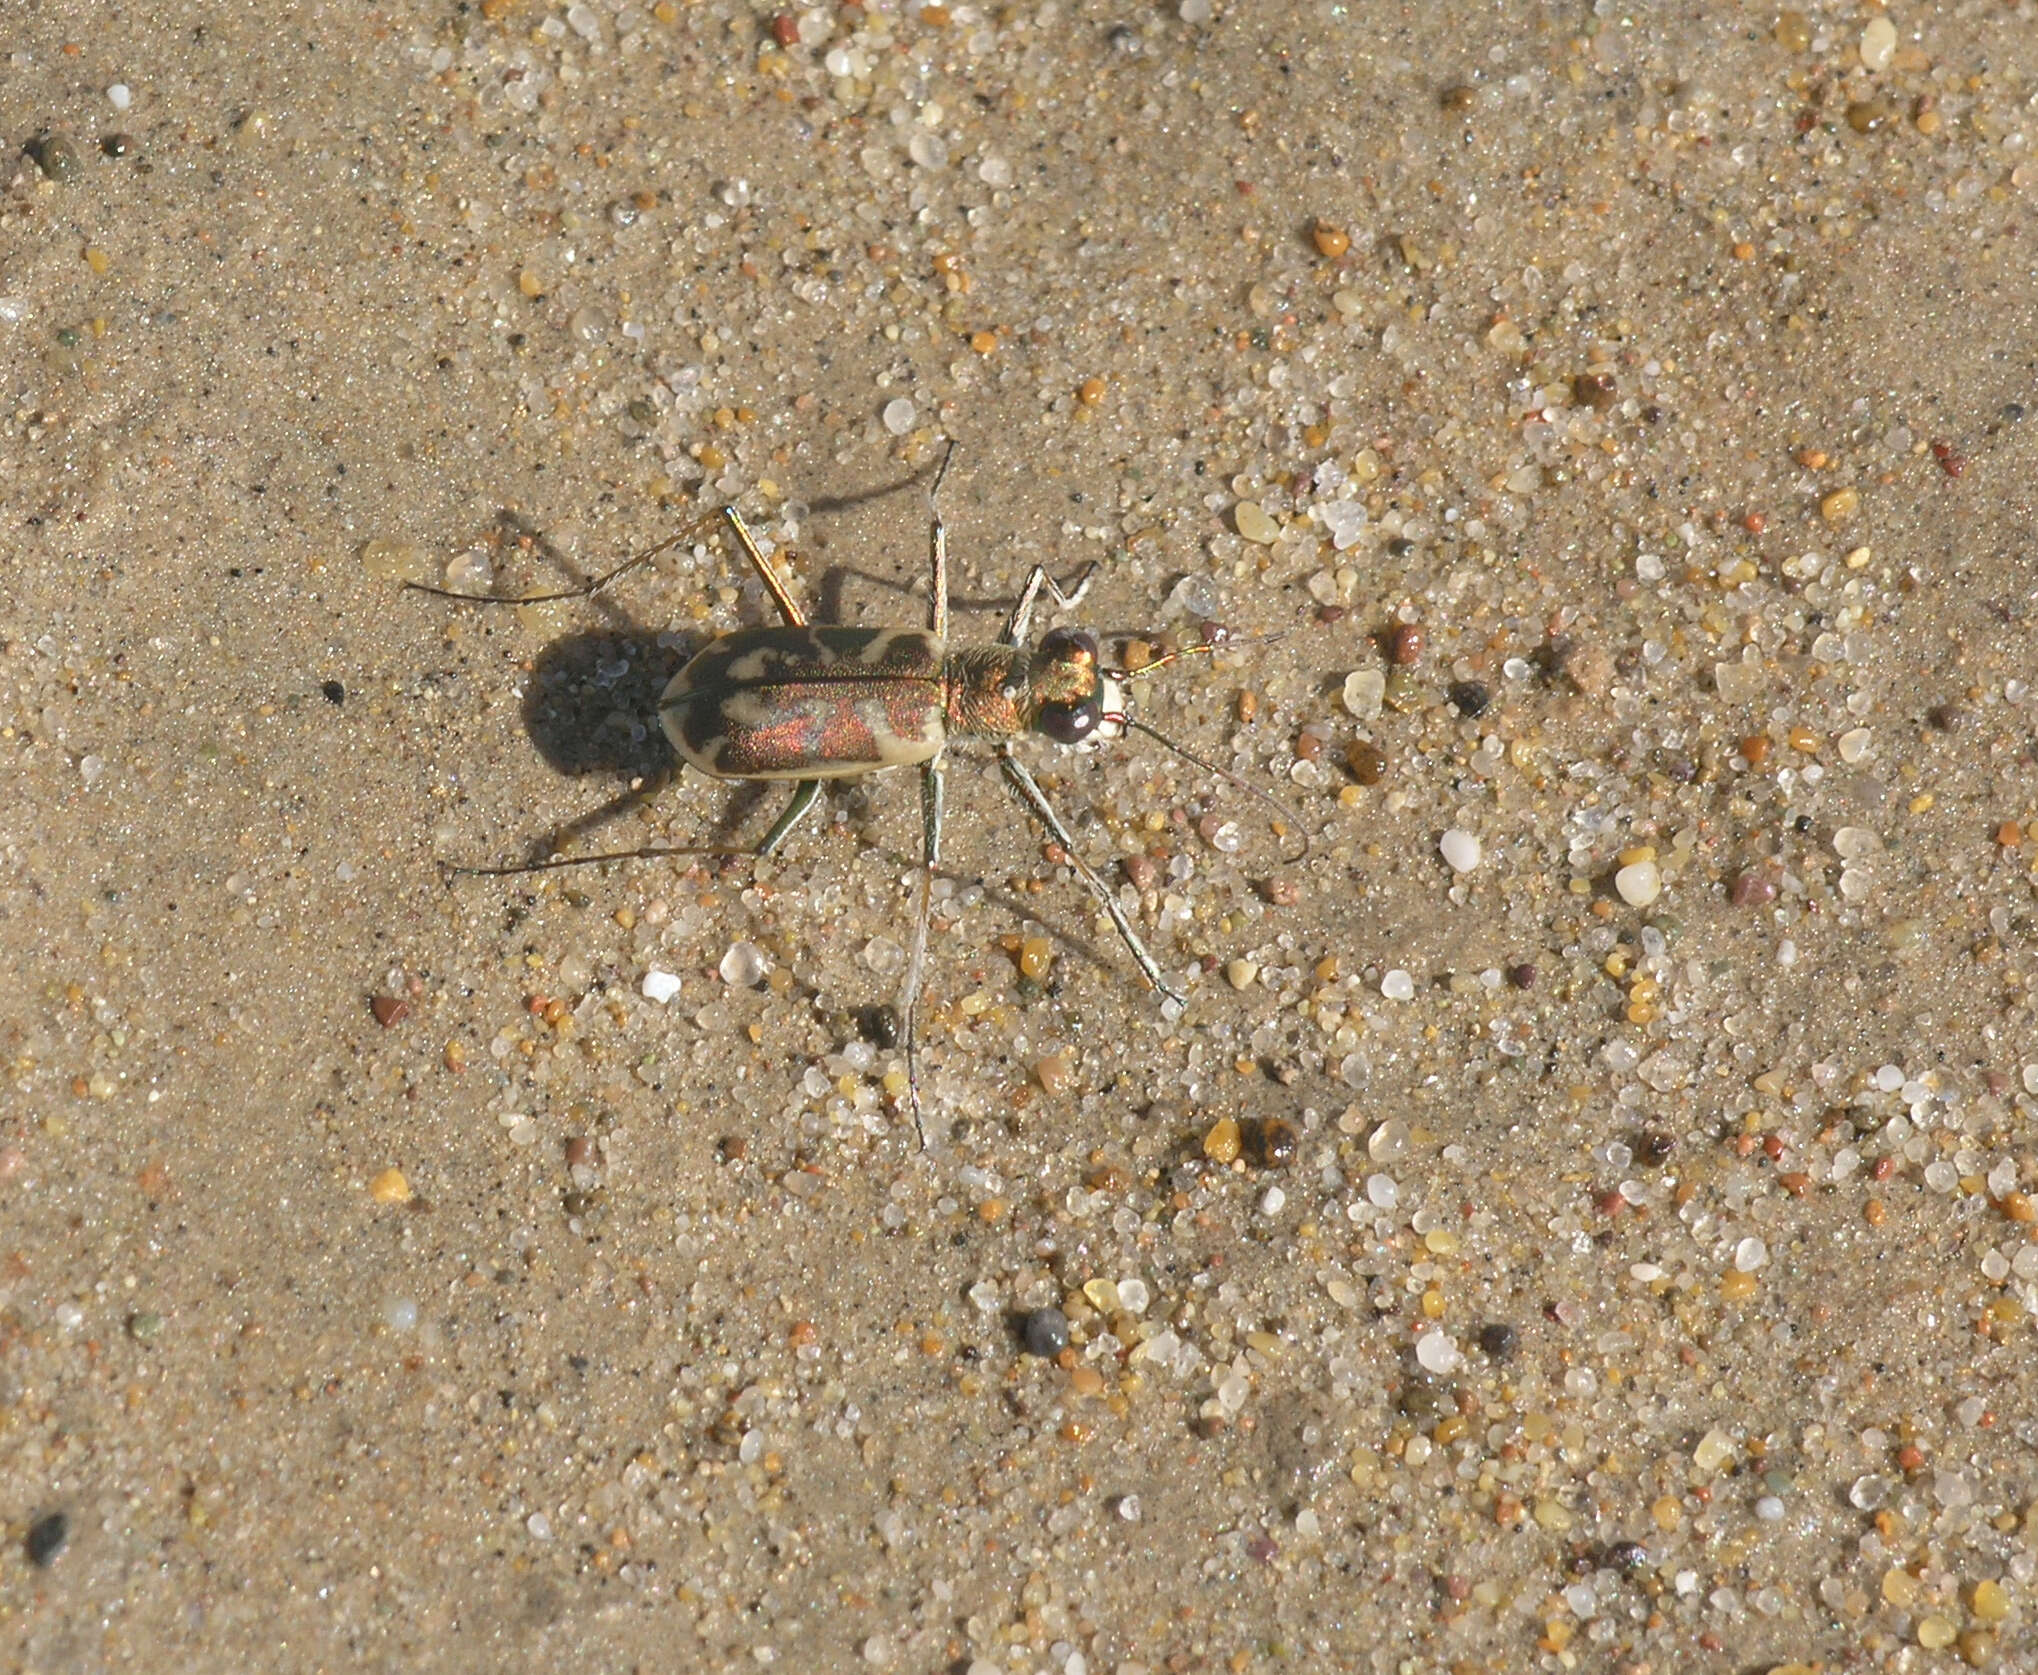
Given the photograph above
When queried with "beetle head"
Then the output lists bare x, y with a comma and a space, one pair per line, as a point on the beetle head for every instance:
1076, 700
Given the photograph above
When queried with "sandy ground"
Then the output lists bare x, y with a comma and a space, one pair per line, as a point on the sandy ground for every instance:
1579, 1219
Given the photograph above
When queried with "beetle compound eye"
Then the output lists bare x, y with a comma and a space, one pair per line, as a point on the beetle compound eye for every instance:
1070, 723
1069, 645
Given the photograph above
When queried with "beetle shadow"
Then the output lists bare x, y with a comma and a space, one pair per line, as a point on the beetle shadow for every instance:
590, 706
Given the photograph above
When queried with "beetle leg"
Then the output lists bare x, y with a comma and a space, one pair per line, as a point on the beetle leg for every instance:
916, 967
804, 794
1027, 789
937, 608
768, 573
1021, 618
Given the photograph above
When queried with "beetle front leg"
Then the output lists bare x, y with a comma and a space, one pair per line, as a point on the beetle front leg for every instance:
1027, 789
767, 571
937, 542
1021, 619
931, 786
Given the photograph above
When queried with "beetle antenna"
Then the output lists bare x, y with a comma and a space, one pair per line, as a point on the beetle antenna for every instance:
586, 590
1224, 642
1280, 808
941, 472
560, 861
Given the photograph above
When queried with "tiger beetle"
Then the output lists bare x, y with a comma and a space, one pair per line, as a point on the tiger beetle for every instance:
812, 702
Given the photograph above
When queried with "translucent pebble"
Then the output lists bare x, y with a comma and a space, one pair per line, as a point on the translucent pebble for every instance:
1398, 985
1878, 44
1640, 884
1346, 521
1363, 691
119, 96
1133, 1296
395, 561
1769, 1509
927, 150
1750, 1254
1193, 596
1856, 843
90, 768
1738, 683
1388, 1142
1254, 524
2030, 1078
1941, 1175
744, 964
751, 1449
1714, 1450
1195, 11
660, 986
1854, 744
1273, 1201
469, 572
1382, 1191
1889, 1077
400, 1314
1129, 1510
1435, 1352
884, 956
1461, 850
995, 173
540, 1526
899, 415
877, 1650
1952, 1488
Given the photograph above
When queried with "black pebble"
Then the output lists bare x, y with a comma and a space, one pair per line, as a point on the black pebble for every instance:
1470, 697
1653, 1149
334, 692
1047, 1333
1499, 1339
46, 1538
1630, 1558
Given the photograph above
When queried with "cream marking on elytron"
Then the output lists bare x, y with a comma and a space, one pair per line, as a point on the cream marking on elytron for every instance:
810, 703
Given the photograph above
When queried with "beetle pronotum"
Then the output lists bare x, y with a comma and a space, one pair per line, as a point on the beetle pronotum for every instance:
810, 703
